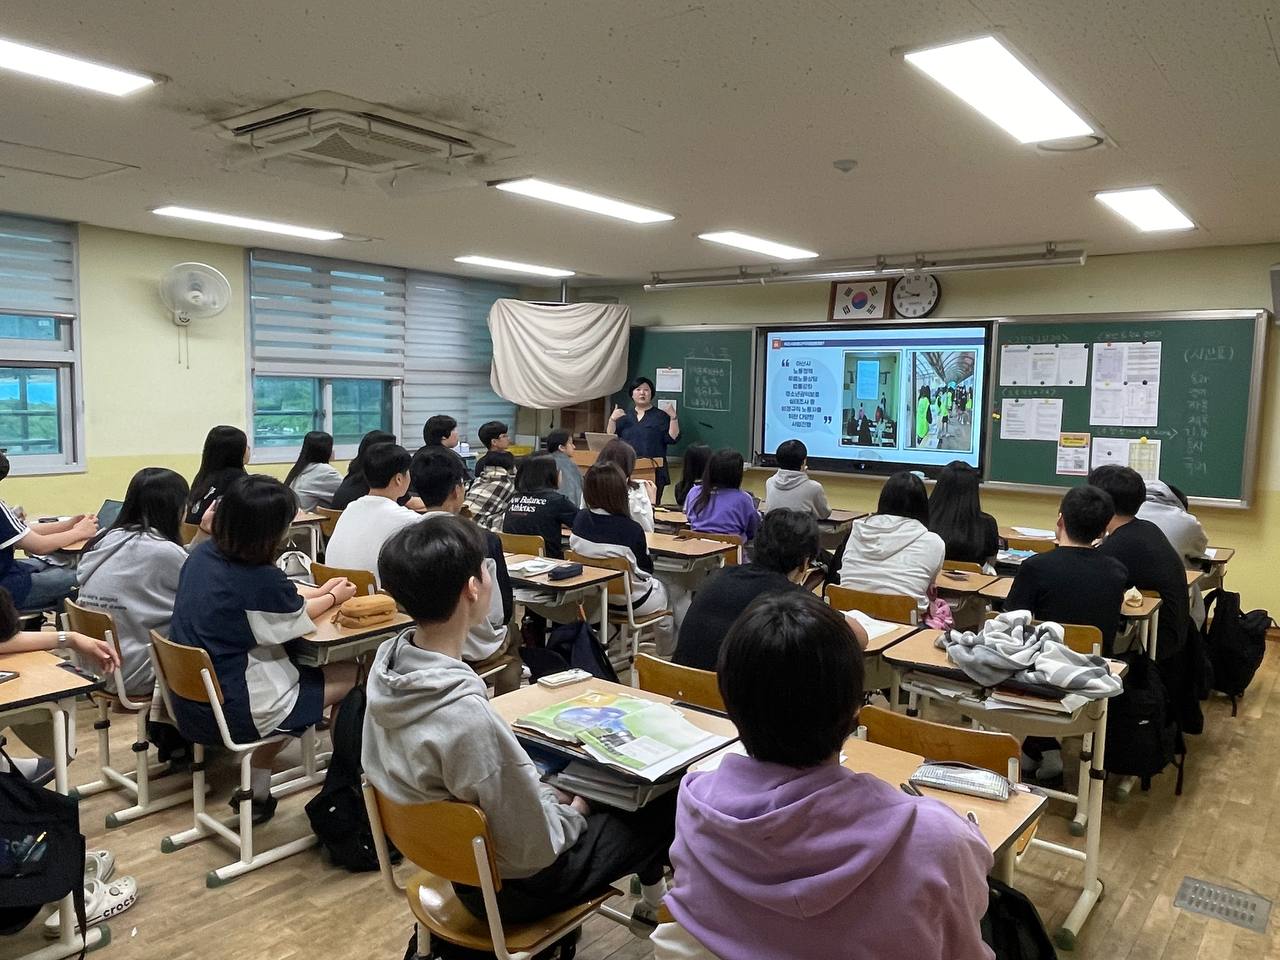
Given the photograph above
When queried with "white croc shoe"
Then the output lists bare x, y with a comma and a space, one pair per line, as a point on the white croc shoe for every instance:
102, 901
99, 864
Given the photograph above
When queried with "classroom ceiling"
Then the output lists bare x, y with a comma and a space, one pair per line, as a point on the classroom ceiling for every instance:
729, 115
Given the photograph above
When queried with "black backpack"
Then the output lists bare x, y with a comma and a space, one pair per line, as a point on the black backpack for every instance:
576, 643
1142, 733
337, 813
1237, 643
41, 851
1012, 928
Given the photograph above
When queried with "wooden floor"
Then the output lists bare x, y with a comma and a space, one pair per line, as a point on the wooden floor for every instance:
1224, 828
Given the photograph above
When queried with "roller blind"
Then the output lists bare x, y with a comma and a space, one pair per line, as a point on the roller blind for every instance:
448, 352
37, 266
312, 316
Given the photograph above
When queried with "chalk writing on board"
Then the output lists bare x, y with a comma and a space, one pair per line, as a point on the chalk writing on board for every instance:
708, 384
800, 394
1209, 353
1196, 424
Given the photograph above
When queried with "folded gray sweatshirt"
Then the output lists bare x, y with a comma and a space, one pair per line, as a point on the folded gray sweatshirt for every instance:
430, 734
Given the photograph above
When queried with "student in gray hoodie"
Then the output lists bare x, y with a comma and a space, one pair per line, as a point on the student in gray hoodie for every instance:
430, 734
1166, 507
791, 488
130, 570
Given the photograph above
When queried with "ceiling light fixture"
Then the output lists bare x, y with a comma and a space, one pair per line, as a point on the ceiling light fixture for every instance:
581, 200
878, 268
246, 223
986, 74
1146, 208
514, 266
770, 248
35, 62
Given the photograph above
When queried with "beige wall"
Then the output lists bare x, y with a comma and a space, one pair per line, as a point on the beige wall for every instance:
1215, 277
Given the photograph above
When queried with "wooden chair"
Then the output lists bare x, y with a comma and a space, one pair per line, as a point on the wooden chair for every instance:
730, 559
938, 741
964, 565
450, 843
365, 582
189, 532
1082, 638
686, 684
895, 607
136, 783
1034, 544
330, 520
632, 627
529, 544
188, 672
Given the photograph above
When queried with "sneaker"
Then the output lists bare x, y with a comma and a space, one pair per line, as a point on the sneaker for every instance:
263, 810
102, 901
644, 920
43, 772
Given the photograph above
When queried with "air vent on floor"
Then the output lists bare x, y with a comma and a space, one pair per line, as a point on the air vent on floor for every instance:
1246, 910
333, 129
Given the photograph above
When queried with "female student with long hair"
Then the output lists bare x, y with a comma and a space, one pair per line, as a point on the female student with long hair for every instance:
234, 603
893, 551
955, 514
131, 569
692, 468
641, 494
312, 477
226, 451
717, 504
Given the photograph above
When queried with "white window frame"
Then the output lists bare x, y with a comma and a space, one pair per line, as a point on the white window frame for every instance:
62, 355
344, 451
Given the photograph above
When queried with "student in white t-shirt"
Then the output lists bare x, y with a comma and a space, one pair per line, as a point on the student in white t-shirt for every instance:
369, 522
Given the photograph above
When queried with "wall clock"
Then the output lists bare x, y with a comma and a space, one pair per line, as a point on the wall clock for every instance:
916, 295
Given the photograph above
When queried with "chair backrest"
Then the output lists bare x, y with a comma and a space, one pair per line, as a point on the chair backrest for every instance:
965, 565
181, 666
366, 583
526, 543
618, 586
93, 623
896, 607
437, 837
189, 532
330, 519
1034, 544
730, 559
687, 684
938, 741
1082, 638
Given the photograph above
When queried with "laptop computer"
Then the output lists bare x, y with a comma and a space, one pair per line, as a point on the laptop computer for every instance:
597, 441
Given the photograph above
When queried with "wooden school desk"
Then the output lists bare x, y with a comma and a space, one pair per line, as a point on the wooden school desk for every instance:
924, 668
45, 689
678, 555
1146, 614
308, 524
962, 582
1217, 567
331, 641
573, 590
1001, 822
646, 467
877, 673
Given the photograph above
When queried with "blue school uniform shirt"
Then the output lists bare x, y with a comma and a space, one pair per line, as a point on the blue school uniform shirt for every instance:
14, 575
242, 616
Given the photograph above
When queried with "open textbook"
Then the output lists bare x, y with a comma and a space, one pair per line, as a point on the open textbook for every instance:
642, 737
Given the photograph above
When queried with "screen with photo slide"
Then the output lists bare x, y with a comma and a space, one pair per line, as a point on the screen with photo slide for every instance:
876, 399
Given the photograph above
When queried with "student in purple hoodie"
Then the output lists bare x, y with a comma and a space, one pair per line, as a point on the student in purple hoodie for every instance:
718, 504
786, 854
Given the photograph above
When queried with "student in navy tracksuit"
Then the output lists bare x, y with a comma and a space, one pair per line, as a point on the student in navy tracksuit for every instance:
234, 603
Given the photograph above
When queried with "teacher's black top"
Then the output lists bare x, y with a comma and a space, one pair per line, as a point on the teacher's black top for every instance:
649, 435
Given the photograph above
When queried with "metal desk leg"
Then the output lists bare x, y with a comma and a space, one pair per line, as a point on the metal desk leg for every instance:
604, 614
1153, 631
1065, 936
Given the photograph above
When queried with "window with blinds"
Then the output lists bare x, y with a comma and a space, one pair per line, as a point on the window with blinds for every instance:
312, 316
448, 352
40, 426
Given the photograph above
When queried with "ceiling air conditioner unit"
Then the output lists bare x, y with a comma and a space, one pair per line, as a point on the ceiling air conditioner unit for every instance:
333, 129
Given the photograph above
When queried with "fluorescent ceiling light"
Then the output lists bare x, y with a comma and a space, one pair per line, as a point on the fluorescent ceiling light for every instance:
987, 76
80, 73
514, 266
247, 223
1147, 209
594, 203
745, 241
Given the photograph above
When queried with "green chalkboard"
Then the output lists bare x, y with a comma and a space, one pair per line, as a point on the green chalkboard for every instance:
1210, 374
714, 404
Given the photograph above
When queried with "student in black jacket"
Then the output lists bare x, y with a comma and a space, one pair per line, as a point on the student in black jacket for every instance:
539, 508
786, 544
226, 451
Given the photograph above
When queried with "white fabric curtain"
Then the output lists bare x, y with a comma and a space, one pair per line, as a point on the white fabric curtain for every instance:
551, 355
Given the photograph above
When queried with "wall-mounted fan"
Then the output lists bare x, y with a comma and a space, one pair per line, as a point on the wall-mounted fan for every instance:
194, 291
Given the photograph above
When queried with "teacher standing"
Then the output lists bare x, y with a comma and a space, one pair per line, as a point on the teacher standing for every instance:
649, 430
